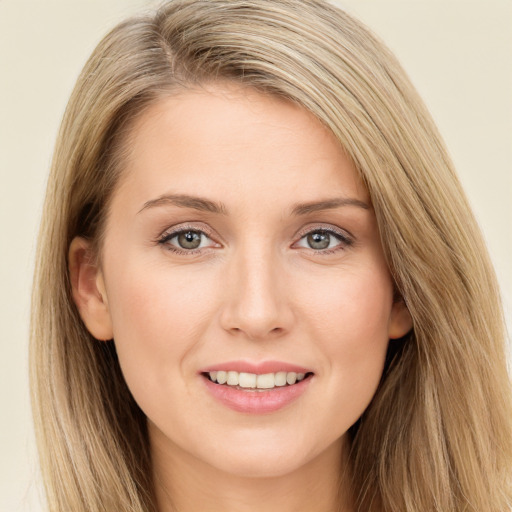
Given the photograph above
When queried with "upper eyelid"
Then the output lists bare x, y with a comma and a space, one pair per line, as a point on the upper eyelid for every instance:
180, 228
343, 233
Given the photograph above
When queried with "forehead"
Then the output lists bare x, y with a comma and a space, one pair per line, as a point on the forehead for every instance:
234, 142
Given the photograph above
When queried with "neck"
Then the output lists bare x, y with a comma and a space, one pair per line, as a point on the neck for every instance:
185, 484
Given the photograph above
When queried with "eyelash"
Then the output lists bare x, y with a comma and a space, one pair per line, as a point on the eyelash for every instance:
169, 235
345, 240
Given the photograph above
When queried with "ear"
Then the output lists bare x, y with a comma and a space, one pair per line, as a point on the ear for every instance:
400, 321
88, 289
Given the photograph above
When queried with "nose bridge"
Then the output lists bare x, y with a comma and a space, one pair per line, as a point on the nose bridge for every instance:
256, 303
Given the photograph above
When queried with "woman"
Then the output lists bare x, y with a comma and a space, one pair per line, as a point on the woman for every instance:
262, 286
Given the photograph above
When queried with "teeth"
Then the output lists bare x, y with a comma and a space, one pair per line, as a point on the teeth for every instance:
280, 379
232, 379
291, 378
247, 380
252, 380
266, 381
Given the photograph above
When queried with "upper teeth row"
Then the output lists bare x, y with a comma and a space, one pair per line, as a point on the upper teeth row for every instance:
252, 380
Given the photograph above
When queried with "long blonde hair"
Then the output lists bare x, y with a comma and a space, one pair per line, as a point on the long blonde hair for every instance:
438, 433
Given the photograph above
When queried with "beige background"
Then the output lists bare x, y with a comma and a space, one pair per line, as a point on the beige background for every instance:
457, 52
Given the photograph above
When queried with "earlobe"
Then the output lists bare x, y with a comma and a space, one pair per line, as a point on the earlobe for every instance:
88, 289
400, 322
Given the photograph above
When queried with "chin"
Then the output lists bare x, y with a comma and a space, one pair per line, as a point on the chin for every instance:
261, 465
266, 458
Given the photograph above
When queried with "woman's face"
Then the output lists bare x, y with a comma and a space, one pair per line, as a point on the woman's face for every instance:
241, 240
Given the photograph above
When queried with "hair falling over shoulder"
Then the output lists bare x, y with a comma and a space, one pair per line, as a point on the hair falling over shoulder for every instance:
438, 433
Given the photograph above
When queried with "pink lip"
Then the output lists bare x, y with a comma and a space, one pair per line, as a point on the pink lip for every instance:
258, 368
256, 402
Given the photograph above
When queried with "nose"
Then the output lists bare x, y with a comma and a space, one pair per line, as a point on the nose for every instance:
257, 299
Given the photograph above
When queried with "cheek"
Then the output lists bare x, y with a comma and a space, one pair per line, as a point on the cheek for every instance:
352, 309
156, 301
349, 323
158, 316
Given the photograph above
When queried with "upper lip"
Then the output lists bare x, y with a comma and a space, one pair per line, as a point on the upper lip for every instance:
258, 368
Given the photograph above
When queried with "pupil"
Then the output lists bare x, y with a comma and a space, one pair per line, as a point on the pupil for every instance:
189, 239
318, 240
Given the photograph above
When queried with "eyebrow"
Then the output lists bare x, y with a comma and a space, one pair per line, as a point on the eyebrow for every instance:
186, 201
206, 205
328, 204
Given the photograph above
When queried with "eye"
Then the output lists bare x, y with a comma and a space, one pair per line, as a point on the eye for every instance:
186, 240
324, 240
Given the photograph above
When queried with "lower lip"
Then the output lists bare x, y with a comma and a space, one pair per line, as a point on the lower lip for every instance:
256, 401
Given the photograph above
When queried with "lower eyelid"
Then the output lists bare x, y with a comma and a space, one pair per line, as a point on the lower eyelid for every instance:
172, 236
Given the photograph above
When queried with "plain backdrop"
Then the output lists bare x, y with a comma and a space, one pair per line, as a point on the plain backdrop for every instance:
457, 52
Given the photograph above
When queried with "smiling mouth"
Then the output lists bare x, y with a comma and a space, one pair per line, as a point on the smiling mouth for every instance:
256, 382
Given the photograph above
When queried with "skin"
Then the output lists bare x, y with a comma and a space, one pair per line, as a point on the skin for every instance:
255, 290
